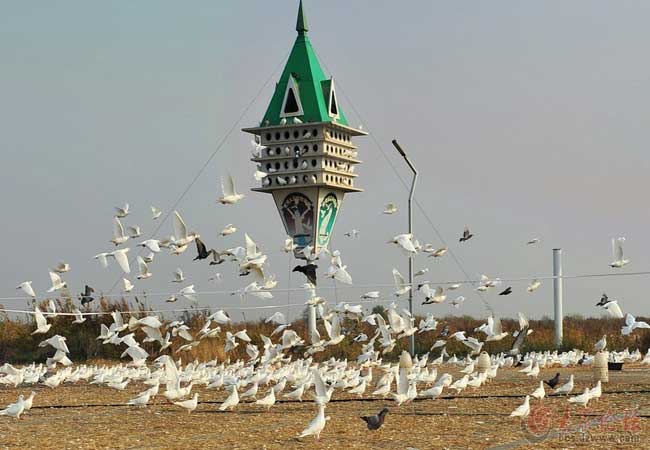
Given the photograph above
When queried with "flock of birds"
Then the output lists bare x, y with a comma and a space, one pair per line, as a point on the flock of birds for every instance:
283, 366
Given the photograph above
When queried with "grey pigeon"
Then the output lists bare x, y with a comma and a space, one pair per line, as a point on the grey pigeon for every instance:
375, 422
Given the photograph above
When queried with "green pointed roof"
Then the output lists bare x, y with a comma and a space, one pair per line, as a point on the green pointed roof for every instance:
313, 85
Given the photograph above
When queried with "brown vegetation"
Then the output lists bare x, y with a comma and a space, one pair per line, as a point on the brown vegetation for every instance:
17, 345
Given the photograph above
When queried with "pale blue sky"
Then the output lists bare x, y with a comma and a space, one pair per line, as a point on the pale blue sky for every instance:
525, 119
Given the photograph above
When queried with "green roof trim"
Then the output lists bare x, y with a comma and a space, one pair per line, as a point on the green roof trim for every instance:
304, 67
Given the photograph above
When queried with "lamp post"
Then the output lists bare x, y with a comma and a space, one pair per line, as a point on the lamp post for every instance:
410, 214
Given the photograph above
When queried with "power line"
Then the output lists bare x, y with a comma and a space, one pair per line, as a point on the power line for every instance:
363, 286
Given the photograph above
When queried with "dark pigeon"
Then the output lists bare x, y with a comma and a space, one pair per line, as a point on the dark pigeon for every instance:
506, 291
202, 250
308, 270
86, 296
603, 300
216, 258
553, 381
375, 422
466, 235
445, 331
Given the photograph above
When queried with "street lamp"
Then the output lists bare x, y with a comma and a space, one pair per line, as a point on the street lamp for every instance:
415, 178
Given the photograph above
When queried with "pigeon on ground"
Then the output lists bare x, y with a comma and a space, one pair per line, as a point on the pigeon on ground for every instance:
553, 381
375, 422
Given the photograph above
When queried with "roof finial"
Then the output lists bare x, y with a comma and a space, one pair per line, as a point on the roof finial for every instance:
301, 23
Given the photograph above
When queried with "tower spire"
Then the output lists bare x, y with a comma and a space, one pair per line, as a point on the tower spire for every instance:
301, 23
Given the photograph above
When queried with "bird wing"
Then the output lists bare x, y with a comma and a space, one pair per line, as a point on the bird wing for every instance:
142, 266
227, 186
319, 384
404, 240
617, 248
629, 319
519, 341
55, 279
335, 329
180, 230
496, 327
399, 279
251, 247
402, 382
118, 229
383, 329
614, 309
523, 321
122, 260
40, 318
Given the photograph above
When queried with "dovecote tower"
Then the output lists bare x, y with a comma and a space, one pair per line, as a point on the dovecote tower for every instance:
306, 147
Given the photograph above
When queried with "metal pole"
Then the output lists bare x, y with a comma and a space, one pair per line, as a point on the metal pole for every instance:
557, 295
410, 213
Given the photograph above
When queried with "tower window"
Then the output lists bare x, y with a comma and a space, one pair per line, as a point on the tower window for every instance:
291, 106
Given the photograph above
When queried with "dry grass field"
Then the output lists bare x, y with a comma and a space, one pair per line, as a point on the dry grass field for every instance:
88, 417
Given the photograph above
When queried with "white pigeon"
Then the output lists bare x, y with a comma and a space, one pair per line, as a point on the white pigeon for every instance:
79, 318
15, 409
390, 208
181, 236
61, 267
566, 388
128, 286
522, 410
121, 259
400, 283
228, 230
135, 231
231, 401
188, 292
153, 245
57, 283
371, 294
143, 268
122, 211
614, 309
539, 393
41, 323
317, 424
533, 285
617, 251
119, 237
230, 195
581, 399
189, 405
26, 287
268, 400
141, 400
404, 241
632, 324
178, 276
601, 344
155, 212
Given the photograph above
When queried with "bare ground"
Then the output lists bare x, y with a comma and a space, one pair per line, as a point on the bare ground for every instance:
88, 417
